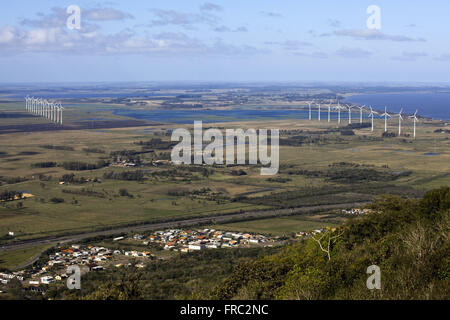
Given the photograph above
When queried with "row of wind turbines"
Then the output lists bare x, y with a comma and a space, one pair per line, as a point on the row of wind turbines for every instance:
371, 115
42, 107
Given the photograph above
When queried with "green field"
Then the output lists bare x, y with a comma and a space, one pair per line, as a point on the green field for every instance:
15, 258
99, 205
279, 226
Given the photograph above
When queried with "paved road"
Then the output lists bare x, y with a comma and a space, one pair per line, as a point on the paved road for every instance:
177, 224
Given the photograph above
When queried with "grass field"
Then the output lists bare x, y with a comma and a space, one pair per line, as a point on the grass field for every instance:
12, 259
39, 216
279, 226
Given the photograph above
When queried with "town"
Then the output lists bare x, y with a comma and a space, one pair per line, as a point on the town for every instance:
92, 258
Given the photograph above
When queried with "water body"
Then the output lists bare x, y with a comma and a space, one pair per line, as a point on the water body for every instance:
431, 105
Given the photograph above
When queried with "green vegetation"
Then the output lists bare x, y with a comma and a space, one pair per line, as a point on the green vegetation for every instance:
92, 178
10, 260
283, 226
185, 276
79, 166
408, 239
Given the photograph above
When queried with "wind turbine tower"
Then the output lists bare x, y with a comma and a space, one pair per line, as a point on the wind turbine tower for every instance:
400, 118
385, 115
415, 119
329, 112
339, 112
361, 114
371, 115
349, 114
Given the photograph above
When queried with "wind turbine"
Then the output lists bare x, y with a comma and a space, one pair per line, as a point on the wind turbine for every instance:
415, 119
361, 114
385, 115
52, 111
371, 114
339, 112
400, 118
309, 104
318, 115
349, 113
329, 112
42, 106
61, 108
46, 107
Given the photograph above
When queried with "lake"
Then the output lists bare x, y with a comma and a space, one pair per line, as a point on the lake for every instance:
432, 105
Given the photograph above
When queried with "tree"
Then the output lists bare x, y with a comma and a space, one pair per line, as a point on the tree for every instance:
304, 284
330, 238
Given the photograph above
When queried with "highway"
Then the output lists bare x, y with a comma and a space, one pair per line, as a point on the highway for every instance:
177, 224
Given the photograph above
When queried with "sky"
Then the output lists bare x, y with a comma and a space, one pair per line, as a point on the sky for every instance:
224, 41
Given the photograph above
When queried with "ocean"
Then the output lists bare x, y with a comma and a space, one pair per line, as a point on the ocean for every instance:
430, 105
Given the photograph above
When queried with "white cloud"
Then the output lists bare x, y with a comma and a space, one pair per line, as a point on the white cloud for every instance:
208, 6
105, 14
368, 34
410, 56
8, 34
353, 53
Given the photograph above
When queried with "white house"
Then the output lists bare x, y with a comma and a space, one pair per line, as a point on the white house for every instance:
196, 247
47, 280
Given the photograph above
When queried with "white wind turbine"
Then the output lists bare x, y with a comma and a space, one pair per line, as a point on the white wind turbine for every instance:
318, 115
309, 104
329, 112
385, 115
61, 108
35, 101
349, 113
26, 102
415, 119
42, 106
339, 112
400, 118
361, 114
52, 111
371, 115
56, 114
46, 107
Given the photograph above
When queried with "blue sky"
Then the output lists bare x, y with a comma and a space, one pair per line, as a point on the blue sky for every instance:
246, 40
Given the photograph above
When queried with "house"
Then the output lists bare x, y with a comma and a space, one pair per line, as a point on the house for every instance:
196, 247
97, 268
47, 280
